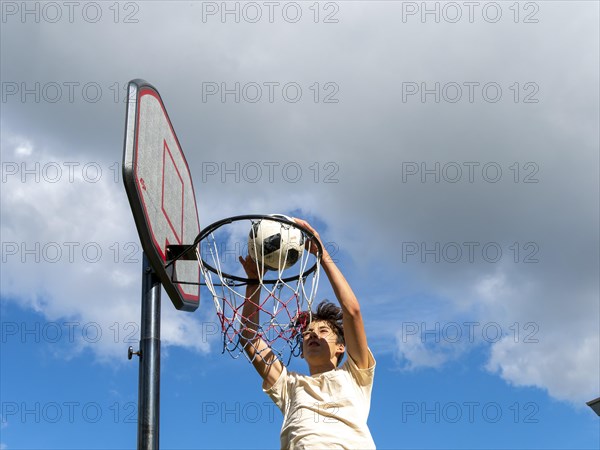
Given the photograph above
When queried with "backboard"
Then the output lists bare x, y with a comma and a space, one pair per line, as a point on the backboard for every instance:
160, 191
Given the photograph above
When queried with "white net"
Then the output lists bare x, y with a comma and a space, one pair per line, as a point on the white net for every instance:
286, 293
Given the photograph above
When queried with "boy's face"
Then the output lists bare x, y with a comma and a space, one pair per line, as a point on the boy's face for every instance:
319, 343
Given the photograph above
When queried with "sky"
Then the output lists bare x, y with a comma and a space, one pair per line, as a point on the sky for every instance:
447, 153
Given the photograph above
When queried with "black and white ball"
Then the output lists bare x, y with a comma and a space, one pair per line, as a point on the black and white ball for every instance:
276, 244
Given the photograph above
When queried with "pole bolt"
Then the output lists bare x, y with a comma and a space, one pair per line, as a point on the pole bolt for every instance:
130, 353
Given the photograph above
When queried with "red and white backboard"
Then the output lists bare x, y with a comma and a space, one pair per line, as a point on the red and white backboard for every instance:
159, 186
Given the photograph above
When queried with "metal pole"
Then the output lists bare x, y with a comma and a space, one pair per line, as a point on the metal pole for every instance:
149, 378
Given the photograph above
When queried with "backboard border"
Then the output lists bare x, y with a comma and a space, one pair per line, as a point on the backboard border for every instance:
137, 88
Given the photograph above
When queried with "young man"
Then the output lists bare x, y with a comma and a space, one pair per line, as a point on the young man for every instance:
329, 407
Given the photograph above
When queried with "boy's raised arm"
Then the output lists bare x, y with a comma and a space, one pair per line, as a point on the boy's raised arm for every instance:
264, 361
354, 329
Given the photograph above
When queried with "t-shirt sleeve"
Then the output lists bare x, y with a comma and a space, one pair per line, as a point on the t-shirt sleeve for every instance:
363, 377
278, 392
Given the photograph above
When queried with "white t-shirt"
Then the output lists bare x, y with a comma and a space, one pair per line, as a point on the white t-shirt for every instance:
326, 410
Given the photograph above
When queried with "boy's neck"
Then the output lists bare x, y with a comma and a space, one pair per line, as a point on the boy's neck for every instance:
321, 368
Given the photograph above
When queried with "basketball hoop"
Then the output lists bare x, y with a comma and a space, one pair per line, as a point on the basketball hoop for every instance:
287, 293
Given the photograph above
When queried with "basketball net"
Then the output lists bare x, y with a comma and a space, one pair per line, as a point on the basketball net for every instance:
286, 296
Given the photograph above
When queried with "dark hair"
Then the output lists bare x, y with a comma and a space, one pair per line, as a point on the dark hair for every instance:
331, 314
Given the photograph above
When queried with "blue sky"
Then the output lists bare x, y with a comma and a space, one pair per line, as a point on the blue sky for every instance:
448, 158
55, 400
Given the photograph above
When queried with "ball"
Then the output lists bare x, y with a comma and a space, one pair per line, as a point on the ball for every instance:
275, 244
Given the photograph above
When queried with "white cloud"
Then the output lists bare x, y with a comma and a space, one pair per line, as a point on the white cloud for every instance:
566, 368
537, 335
24, 150
70, 252
414, 352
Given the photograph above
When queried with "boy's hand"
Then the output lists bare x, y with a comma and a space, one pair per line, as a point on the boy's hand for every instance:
312, 248
251, 268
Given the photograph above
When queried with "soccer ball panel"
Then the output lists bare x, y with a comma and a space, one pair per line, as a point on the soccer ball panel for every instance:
278, 245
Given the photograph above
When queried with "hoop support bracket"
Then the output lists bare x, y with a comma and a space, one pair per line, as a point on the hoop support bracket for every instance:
181, 252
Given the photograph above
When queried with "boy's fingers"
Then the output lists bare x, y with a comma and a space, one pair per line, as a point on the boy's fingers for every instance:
305, 224
312, 243
302, 222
